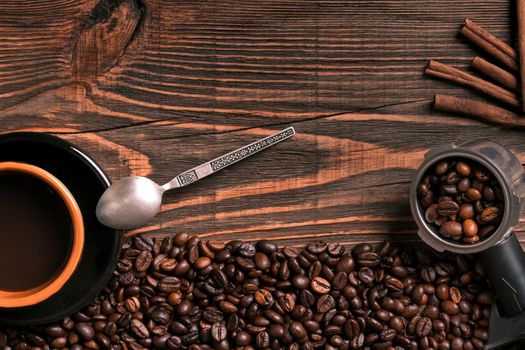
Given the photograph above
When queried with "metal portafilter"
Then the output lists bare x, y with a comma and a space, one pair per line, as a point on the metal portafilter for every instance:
501, 255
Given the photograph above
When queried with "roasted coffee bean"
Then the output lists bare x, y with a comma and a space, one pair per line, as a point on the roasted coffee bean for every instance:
428, 274
427, 199
470, 228
362, 248
193, 253
490, 215
442, 291
316, 247
85, 331
335, 249
463, 168
455, 295
138, 328
424, 186
174, 298
297, 330
306, 297
345, 264
132, 304
486, 230
274, 316
286, 302
227, 307
300, 281
482, 174
451, 228
473, 194
457, 343
489, 194
340, 280
263, 297
276, 331
366, 275
419, 296
182, 268
124, 265
218, 332
450, 190
320, 285
387, 335
449, 307
291, 252
169, 284
245, 263
325, 303
212, 315
423, 327
267, 247
466, 211
143, 261
130, 291
442, 167
262, 340
397, 323
394, 284
247, 249
127, 279
432, 214
262, 262
352, 328
383, 315
463, 184
57, 343
202, 262
447, 208
219, 277
369, 259
54, 331
184, 308
357, 342
471, 239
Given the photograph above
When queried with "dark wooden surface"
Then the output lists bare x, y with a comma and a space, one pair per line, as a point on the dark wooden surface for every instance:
155, 87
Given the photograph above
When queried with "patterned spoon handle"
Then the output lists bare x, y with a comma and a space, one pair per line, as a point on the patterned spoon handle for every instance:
208, 168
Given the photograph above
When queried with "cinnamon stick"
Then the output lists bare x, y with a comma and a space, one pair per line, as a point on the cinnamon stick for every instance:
508, 80
488, 42
447, 72
521, 41
478, 109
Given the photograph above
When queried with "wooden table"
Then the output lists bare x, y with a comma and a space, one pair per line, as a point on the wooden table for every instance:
152, 88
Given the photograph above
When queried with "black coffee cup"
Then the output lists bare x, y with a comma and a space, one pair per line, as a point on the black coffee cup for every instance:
41, 234
88, 252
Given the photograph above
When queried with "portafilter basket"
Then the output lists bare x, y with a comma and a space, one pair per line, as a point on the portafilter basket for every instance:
501, 254
507, 169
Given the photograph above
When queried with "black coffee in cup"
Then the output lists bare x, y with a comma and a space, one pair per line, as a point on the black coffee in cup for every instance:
36, 232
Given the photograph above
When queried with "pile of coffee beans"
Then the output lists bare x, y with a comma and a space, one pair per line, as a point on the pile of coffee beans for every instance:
462, 199
184, 293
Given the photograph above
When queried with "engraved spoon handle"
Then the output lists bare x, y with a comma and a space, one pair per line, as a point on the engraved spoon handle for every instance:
208, 168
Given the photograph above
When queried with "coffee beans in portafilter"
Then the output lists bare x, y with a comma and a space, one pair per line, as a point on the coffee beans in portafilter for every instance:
186, 293
462, 199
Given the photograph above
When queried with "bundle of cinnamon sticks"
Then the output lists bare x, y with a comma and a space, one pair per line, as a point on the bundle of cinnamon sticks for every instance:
504, 85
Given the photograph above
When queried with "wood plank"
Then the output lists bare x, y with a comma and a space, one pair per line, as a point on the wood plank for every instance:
155, 87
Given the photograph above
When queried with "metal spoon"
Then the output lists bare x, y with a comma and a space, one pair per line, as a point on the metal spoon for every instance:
133, 201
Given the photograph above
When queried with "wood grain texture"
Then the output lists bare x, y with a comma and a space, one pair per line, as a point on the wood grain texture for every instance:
156, 87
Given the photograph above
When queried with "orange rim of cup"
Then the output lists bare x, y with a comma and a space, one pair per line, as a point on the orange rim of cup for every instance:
9, 299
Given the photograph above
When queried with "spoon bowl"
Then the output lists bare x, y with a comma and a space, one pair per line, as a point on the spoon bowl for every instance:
130, 203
